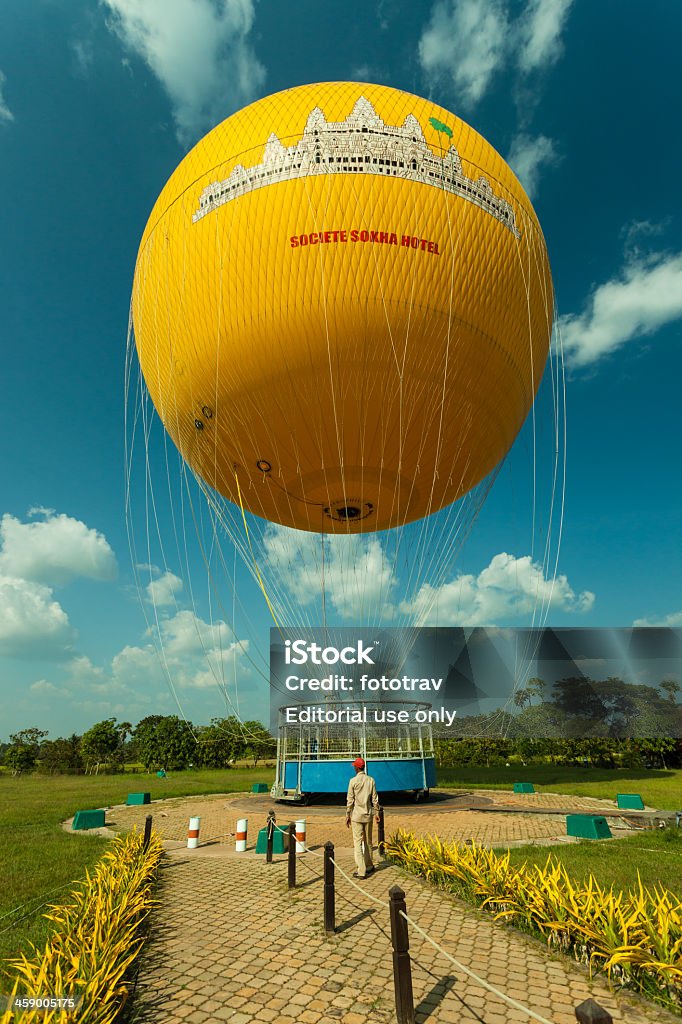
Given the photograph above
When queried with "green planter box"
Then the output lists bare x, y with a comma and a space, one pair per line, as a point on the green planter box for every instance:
88, 819
524, 787
630, 802
139, 798
280, 841
587, 826
260, 787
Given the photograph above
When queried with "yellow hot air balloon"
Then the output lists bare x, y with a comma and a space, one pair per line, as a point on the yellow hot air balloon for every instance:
342, 306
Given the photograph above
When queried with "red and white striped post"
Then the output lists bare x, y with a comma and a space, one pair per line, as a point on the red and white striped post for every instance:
240, 835
193, 833
300, 835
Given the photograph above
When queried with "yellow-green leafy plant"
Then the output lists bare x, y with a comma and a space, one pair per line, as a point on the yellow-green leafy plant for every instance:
636, 935
97, 935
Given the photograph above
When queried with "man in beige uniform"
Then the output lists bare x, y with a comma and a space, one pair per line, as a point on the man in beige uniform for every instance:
362, 804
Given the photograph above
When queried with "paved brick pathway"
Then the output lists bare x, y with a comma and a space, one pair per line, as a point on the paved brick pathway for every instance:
229, 942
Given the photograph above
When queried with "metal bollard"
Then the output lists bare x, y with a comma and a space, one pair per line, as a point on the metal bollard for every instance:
241, 835
271, 832
147, 832
329, 908
193, 833
382, 836
402, 965
292, 856
589, 1012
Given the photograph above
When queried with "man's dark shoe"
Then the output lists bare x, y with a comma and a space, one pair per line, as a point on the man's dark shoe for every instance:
356, 875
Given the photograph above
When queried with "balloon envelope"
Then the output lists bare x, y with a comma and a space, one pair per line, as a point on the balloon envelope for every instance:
342, 306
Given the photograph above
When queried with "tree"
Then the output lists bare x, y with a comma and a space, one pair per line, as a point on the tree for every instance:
259, 743
103, 744
536, 687
165, 741
672, 688
522, 697
24, 748
62, 755
20, 758
29, 738
221, 742
144, 740
655, 748
539, 720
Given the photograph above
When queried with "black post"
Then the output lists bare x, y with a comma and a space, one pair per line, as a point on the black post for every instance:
292, 855
147, 832
382, 836
589, 1012
271, 831
402, 966
329, 910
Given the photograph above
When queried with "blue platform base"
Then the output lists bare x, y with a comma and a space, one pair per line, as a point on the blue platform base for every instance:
334, 776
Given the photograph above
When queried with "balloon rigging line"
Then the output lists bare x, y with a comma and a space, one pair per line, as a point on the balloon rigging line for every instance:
255, 563
131, 539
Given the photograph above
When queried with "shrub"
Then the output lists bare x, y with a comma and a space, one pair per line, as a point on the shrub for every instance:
97, 936
636, 936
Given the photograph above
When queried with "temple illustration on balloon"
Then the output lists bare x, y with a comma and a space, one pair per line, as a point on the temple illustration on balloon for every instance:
362, 144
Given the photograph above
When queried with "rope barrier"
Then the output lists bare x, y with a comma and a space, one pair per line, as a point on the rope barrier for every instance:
319, 877
476, 977
381, 903
448, 956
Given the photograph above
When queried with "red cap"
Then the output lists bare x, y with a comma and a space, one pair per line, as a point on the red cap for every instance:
358, 763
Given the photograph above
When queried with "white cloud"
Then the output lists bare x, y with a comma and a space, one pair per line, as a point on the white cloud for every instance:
674, 620
195, 654
44, 688
55, 550
83, 672
646, 296
467, 41
32, 623
540, 28
509, 588
200, 52
360, 578
528, 155
5, 113
84, 55
357, 573
183, 650
470, 41
164, 590
637, 231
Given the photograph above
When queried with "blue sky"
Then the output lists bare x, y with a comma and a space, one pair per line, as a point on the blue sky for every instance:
98, 103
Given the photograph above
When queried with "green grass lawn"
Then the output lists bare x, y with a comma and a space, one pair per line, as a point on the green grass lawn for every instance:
656, 855
658, 788
37, 856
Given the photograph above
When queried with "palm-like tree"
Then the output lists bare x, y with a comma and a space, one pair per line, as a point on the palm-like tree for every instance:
671, 688
536, 687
